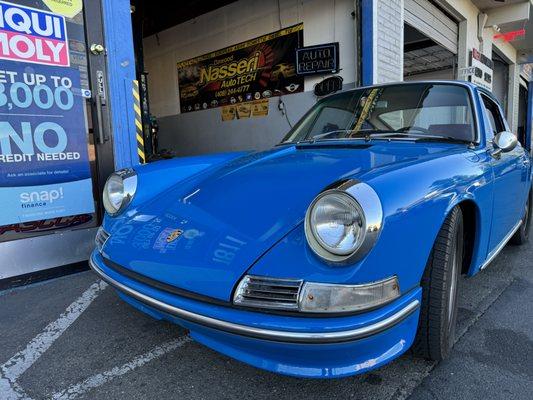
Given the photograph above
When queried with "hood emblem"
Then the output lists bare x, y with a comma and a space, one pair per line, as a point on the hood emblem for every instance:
174, 235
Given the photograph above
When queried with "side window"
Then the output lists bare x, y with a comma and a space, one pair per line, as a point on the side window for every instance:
495, 119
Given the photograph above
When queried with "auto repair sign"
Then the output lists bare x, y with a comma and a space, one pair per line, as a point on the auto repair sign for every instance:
31, 35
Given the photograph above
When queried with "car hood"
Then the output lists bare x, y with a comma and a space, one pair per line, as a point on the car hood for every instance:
226, 217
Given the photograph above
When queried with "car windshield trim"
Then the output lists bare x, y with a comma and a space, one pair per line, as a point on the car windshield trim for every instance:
458, 122
391, 135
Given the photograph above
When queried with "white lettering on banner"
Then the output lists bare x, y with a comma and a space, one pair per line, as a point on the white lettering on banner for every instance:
31, 35
27, 142
42, 196
24, 48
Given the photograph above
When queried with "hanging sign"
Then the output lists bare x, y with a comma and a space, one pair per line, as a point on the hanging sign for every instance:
256, 69
44, 162
328, 86
31, 35
319, 59
482, 74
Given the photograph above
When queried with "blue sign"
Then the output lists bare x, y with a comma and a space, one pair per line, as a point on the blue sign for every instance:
44, 163
31, 35
320, 59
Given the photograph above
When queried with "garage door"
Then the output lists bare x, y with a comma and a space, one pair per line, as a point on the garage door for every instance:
432, 22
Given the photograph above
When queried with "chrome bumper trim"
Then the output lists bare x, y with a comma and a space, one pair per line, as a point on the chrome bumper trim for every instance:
258, 333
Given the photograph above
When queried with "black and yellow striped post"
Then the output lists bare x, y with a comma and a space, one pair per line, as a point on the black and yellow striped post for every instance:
138, 122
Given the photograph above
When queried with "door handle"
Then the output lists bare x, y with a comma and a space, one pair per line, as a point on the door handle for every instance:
102, 137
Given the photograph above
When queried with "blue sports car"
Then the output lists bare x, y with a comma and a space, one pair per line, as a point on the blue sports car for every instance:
337, 250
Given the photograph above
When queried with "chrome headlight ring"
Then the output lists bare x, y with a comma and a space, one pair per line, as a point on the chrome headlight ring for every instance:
365, 201
119, 190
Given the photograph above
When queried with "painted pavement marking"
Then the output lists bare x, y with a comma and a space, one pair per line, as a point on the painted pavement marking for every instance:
13, 368
100, 379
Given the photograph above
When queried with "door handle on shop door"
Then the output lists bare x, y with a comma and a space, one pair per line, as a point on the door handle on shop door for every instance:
102, 137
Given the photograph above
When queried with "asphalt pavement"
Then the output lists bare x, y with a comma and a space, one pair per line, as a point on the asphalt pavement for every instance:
72, 337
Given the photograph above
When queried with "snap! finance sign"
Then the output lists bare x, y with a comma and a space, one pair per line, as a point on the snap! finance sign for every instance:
44, 165
32, 35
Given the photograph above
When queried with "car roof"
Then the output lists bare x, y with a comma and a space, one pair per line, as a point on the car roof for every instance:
466, 84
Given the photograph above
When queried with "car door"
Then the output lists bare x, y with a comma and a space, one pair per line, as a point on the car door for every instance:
510, 174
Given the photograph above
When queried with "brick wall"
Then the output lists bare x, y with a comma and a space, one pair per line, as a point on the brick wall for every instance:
388, 31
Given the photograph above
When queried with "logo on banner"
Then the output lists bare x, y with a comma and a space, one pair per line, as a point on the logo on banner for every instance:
31, 35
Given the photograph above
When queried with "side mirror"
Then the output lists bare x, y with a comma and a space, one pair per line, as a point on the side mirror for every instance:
504, 142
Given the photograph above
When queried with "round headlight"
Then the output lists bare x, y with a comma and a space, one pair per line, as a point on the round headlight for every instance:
337, 223
342, 224
119, 190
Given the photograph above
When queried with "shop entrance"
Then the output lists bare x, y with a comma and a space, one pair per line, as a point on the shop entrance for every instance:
55, 140
221, 76
430, 42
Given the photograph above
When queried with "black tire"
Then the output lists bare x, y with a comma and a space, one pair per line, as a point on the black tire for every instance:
438, 313
522, 234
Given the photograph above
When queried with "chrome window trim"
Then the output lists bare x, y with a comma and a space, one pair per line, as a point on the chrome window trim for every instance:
259, 333
370, 203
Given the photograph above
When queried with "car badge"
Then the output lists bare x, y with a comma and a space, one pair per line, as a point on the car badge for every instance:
174, 235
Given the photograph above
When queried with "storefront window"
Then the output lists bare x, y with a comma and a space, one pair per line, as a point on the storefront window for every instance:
47, 155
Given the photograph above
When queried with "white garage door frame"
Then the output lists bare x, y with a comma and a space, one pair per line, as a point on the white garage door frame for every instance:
432, 22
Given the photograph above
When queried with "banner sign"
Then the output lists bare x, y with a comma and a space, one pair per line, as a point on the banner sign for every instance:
44, 163
319, 59
31, 35
483, 66
252, 70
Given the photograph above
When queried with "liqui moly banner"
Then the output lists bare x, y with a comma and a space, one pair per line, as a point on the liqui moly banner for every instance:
31, 35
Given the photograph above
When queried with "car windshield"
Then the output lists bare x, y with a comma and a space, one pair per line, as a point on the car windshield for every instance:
417, 110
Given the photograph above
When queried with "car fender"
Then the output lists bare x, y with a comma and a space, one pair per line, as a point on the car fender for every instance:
416, 199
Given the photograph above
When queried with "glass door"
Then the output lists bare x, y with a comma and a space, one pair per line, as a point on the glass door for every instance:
55, 147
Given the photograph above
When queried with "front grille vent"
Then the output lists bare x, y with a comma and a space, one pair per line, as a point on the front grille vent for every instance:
265, 292
101, 238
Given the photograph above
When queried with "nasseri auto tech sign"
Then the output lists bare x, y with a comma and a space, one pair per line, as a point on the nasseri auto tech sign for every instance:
44, 162
31, 35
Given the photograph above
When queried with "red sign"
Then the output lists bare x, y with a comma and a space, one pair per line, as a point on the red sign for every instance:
510, 36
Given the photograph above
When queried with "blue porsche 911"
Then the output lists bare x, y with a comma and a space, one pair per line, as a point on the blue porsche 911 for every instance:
337, 250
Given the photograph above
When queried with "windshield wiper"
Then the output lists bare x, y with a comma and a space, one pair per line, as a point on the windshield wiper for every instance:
418, 137
324, 135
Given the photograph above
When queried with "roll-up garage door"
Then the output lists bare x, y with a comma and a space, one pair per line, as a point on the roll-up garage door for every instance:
432, 22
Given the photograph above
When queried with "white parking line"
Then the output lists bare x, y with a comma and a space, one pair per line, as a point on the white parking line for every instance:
13, 368
97, 380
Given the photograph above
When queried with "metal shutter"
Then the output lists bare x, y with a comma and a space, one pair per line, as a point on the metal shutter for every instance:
432, 22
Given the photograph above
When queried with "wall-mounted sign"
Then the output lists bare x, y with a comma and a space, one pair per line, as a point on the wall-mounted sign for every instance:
510, 36
319, 59
31, 35
329, 85
482, 74
252, 70
68, 8
44, 161
256, 108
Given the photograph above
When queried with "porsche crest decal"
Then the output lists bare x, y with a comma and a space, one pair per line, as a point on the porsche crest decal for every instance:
174, 235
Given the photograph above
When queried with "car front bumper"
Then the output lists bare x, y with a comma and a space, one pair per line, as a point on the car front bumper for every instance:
317, 347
